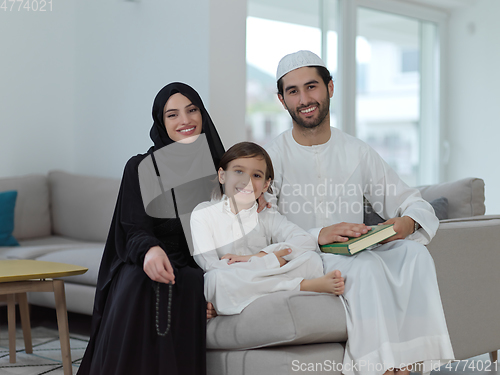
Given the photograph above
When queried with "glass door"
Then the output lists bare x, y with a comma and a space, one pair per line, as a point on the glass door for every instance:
392, 115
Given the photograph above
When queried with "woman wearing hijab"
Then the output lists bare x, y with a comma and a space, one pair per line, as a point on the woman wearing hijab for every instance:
140, 324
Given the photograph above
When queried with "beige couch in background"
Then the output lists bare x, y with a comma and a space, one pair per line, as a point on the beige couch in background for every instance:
64, 217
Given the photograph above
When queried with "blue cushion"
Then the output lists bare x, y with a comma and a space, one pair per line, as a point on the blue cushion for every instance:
7, 205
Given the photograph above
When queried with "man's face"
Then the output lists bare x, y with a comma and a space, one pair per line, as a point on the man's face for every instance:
306, 97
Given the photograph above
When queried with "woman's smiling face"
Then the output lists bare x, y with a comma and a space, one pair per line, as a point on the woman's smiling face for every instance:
182, 119
245, 180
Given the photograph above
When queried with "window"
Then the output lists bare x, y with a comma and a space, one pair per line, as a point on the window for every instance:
388, 104
384, 56
274, 29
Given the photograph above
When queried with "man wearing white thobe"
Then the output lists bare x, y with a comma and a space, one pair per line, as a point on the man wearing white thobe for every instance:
322, 175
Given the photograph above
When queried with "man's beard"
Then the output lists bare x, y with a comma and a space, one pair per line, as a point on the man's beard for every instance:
324, 110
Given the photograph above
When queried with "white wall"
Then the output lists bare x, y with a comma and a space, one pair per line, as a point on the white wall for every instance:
474, 97
37, 54
126, 52
77, 84
228, 68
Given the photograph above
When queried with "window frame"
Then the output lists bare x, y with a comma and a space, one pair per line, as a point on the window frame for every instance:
432, 112
433, 115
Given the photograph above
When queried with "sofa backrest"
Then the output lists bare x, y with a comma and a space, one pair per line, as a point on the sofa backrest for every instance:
465, 197
82, 206
32, 210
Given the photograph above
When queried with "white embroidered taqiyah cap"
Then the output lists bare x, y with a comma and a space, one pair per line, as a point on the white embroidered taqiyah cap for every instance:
297, 60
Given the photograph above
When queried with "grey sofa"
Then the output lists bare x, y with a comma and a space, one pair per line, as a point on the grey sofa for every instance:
304, 333
64, 217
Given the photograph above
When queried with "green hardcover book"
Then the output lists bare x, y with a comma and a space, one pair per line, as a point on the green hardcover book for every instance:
356, 244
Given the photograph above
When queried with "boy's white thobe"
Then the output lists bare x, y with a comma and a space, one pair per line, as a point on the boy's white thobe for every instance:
217, 231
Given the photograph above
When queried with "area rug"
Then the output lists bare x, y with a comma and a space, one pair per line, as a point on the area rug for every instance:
46, 357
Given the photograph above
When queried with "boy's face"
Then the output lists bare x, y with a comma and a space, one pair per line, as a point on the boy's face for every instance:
245, 180
306, 97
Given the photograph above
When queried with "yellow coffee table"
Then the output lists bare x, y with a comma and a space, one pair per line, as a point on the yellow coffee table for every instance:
20, 276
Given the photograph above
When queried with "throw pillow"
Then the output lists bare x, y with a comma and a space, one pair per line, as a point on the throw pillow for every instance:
440, 206
7, 205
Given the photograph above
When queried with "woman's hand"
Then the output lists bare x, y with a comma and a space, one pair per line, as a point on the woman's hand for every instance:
158, 267
211, 313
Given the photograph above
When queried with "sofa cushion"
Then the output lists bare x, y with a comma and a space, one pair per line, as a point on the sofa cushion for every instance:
282, 318
34, 248
85, 256
52, 241
440, 206
465, 197
314, 359
32, 213
7, 206
82, 206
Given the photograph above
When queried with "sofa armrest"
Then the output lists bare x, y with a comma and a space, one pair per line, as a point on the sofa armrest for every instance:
467, 257
470, 218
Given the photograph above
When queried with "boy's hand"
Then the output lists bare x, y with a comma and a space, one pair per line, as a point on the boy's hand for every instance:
280, 254
233, 258
211, 313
